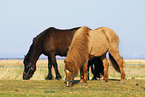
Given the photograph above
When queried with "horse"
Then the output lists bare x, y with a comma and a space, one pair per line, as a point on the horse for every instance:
50, 42
87, 44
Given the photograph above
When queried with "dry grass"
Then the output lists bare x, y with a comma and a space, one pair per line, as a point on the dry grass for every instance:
13, 69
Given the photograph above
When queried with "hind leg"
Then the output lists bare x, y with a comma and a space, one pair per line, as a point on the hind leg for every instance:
106, 65
90, 64
99, 68
119, 61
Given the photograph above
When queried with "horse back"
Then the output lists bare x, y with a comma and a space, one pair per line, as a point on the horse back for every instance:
57, 41
101, 39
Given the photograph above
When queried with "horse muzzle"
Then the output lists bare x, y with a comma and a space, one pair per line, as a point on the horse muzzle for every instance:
25, 76
28, 75
68, 84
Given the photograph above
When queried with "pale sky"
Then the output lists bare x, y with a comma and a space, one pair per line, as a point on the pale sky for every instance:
22, 20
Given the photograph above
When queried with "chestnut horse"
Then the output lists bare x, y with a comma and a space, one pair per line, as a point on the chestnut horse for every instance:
88, 44
50, 42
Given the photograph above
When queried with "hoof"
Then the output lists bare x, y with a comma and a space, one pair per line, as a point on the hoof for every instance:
58, 77
49, 78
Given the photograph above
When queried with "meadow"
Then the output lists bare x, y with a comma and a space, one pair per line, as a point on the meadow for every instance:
11, 83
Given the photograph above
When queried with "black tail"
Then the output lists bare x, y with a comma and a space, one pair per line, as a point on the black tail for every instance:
114, 63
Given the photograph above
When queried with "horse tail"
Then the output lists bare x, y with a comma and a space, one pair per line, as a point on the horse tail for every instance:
114, 63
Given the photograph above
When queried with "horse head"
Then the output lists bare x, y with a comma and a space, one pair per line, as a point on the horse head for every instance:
69, 78
70, 73
29, 68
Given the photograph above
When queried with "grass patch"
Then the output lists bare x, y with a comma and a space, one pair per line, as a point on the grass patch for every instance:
37, 88
11, 83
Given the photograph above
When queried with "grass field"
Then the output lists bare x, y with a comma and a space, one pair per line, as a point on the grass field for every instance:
11, 83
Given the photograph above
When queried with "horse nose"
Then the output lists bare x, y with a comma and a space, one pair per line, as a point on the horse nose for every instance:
67, 84
25, 77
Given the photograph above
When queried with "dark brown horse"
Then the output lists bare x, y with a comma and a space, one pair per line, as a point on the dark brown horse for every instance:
50, 42
97, 68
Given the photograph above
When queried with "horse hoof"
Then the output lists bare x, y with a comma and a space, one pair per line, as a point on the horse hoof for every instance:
49, 78
58, 78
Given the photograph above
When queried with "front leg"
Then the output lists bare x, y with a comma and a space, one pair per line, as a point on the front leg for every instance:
85, 71
81, 76
49, 76
54, 63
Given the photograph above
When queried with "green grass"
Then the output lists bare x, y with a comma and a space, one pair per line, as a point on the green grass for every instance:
11, 83
39, 88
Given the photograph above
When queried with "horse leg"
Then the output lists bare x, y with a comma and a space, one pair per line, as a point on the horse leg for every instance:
85, 71
54, 63
119, 61
90, 64
49, 77
93, 72
84, 74
97, 72
81, 75
106, 65
88, 70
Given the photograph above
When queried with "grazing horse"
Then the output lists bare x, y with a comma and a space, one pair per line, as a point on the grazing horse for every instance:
88, 44
50, 42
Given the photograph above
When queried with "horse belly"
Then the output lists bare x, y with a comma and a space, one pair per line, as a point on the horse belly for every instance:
99, 45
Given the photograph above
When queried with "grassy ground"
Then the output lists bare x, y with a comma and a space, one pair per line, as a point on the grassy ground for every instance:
11, 83
35, 88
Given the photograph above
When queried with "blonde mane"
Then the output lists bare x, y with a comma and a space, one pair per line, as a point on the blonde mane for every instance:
78, 51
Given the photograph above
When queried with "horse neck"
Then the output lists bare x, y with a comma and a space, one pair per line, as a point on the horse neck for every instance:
78, 59
33, 55
79, 49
